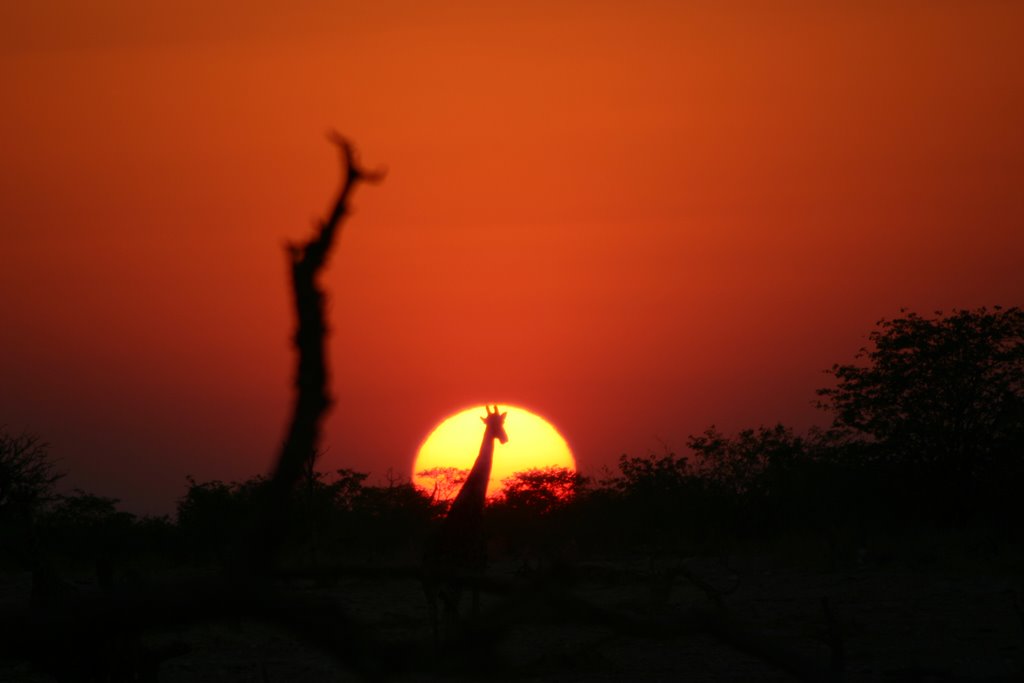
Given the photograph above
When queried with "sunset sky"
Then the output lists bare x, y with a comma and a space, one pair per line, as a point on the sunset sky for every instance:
634, 219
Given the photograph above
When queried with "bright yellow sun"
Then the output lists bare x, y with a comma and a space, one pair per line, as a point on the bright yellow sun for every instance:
532, 443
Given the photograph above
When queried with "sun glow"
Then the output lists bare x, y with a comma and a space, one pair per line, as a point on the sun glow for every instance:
533, 443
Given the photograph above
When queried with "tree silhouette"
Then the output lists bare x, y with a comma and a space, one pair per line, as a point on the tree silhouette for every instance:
445, 482
27, 473
945, 392
539, 491
28, 477
749, 463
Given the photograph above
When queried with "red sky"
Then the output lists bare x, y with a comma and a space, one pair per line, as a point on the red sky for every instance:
636, 219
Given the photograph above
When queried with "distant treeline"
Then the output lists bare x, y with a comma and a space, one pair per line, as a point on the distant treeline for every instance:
927, 433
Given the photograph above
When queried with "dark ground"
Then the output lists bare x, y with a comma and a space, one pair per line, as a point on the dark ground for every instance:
928, 623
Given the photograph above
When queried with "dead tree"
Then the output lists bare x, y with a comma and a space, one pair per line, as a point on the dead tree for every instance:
312, 397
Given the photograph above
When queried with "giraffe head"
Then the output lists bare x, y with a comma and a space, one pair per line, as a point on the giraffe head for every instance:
495, 424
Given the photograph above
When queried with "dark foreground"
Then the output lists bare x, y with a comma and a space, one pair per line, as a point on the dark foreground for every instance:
888, 623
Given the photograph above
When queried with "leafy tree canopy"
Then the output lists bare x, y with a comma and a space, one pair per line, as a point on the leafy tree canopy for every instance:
946, 390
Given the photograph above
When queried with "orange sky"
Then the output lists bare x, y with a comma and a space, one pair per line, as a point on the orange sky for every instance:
636, 222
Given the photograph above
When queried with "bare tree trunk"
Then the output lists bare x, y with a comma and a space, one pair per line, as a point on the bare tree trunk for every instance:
312, 398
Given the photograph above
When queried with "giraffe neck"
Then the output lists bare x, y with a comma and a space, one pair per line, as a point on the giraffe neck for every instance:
481, 472
474, 490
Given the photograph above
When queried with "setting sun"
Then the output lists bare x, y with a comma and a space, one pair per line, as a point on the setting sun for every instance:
533, 442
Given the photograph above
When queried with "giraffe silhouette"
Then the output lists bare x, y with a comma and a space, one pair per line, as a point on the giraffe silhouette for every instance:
458, 550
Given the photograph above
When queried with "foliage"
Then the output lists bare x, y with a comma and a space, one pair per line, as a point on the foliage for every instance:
84, 527
85, 509
540, 491
653, 501
753, 462
212, 515
445, 481
393, 517
945, 392
27, 473
346, 488
329, 515
653, 475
